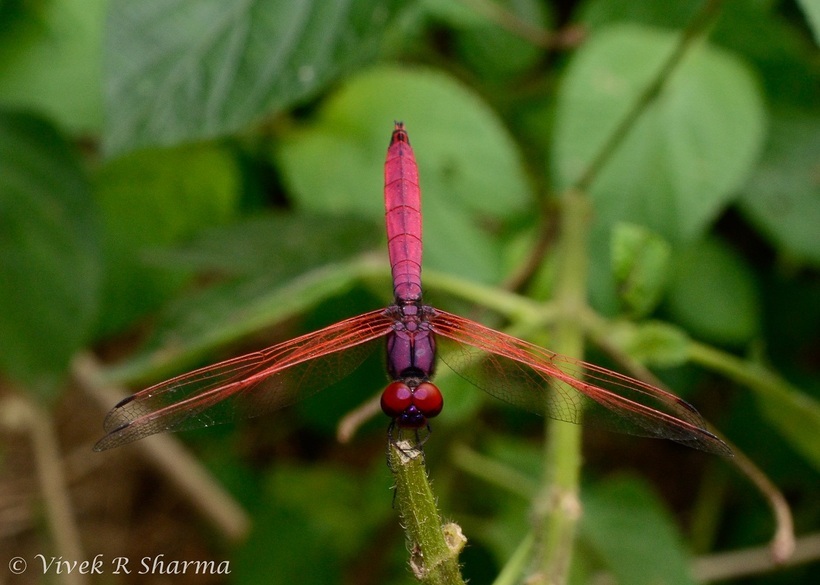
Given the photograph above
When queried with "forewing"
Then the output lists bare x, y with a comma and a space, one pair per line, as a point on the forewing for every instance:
563, 388
249, 385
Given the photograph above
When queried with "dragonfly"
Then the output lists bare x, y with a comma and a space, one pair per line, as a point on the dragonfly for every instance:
508, 368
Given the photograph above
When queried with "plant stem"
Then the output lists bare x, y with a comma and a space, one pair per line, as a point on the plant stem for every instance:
434, 547
20, 413
754, 561
558, 507
514, 567
513, 306
794, 414
493, 472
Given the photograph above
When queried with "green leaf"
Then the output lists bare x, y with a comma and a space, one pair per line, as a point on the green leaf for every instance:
283, 266
757, 30
49, 61
771, 40
683, 160
640, 263
462, 400
633, 534
277, 246
470, 172
597, 14
652, 342
183, 70
713, 294
455, 13
316, 521
497, 53
49, 252
150, 198
783, 197
812, 10
796, 415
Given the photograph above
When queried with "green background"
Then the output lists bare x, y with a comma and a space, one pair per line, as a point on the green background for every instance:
184, 180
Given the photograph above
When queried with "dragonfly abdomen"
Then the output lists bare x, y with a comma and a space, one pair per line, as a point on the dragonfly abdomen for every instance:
402, 202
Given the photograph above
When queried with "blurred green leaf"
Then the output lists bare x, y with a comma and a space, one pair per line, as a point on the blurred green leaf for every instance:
782, 199
518, 452
456, 13
781, 53
640, 265
713, 293
797, 417
50, 56
310, 523
598, 14
811, 8
633, 534
652, 342
470, 171
49, 252
277, 246
497, 53
795, 414
150, 198
683, 160
503, 532
757, 30
462, 400
284, 265
183, 70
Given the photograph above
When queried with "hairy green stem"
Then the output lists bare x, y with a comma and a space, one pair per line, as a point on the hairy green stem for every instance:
434, 545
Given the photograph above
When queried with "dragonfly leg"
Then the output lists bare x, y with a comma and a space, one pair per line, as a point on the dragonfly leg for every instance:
390, 442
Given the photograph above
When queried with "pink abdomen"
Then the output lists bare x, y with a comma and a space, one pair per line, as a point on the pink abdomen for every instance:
402, 202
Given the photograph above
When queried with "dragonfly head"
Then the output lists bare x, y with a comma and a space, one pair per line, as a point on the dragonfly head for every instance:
410, 403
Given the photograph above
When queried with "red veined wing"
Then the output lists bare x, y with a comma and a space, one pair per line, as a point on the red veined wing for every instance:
247, 386
563, 388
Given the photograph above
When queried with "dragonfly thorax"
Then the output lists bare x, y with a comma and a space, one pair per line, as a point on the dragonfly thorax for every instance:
411, 359
411, 346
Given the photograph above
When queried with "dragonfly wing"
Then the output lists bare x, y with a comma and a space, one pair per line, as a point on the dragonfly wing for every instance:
249, 385
563, 388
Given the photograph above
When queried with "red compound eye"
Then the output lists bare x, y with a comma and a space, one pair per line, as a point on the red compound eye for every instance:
396, 398
428, 399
